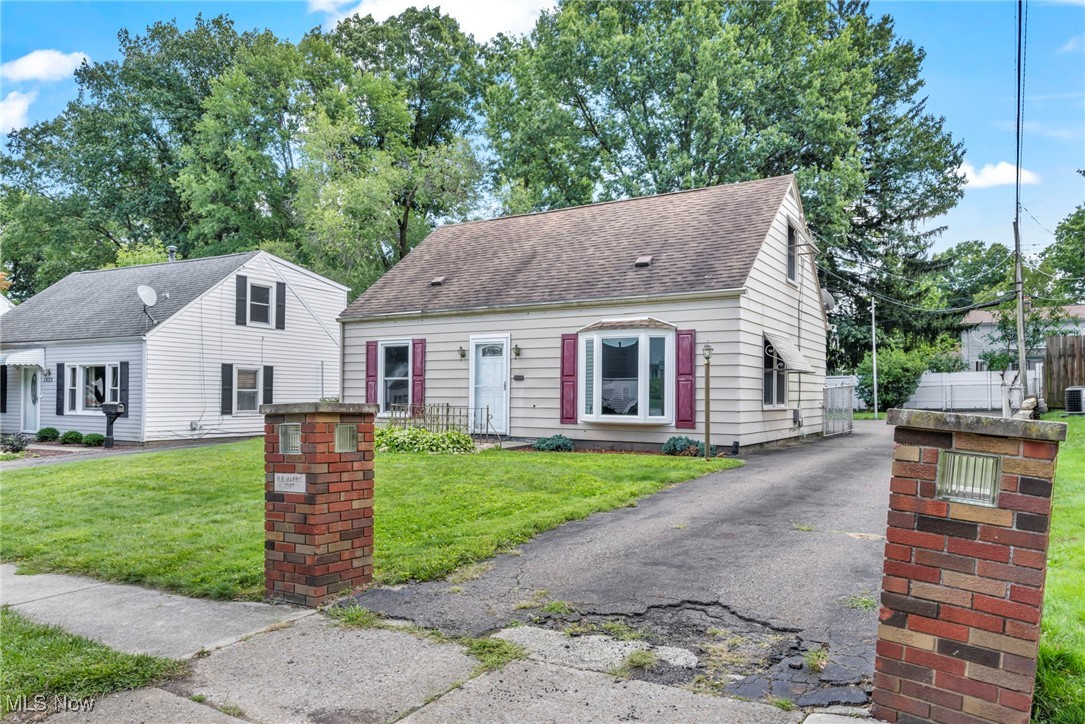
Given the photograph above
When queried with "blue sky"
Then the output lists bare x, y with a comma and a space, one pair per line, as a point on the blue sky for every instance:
969, 72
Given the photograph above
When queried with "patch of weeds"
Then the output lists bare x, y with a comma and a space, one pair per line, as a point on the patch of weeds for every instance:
492, 654
198, 698
804, 527
622, 631
470, 572
354, 616
456, 589
862, 603
703, 684
582, 628
521, 605
785, 704
643, 660
680, 526
559, 607
231, 709
816, 659
721, 632
720, 656
540, 594
201, 654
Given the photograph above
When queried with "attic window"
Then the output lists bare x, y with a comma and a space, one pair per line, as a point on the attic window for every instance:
643, 261
437, 281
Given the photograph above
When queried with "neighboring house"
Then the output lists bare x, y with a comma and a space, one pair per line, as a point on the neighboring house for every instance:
979, 324
590, 321
226, 334
5, 305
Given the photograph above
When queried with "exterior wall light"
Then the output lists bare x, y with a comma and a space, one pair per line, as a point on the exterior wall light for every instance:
516, 350
463, 352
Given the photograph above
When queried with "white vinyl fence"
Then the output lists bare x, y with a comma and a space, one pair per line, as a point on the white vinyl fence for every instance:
953, 390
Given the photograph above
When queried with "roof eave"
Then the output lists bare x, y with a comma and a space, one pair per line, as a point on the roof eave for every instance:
541, 306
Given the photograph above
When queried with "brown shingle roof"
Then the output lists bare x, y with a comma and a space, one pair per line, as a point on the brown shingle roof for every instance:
699, 240
984, 316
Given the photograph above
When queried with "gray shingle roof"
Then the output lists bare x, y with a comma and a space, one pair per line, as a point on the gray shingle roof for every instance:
103, 304
699, 240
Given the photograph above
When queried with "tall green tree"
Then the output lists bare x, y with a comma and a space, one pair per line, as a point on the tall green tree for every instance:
1066, 256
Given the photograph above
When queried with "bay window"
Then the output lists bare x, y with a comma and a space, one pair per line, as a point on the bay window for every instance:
627, 375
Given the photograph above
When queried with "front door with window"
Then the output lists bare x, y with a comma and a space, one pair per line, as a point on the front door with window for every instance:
31, 394
490, 386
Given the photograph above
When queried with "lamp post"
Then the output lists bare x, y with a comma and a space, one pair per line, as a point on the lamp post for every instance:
706, 350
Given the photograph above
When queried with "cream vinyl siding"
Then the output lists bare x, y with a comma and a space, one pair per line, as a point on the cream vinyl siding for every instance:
185, 353
794, 309
76, 354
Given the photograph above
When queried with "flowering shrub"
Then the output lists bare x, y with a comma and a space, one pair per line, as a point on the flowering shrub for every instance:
417, 439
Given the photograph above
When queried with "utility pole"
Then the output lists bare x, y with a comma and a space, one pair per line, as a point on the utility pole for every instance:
1019, 287
874, 347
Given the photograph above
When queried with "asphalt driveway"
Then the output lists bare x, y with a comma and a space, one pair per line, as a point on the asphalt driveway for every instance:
780, 557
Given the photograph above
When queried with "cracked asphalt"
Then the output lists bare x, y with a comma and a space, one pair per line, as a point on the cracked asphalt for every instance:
781, 543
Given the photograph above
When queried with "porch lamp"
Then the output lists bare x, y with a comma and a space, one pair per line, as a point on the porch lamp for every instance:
706, 350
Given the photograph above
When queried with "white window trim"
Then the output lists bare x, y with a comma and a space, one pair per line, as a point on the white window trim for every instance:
381, 344
792, 228
475, 341
81, 385
270, 305
787, 382
259, 389
642, 418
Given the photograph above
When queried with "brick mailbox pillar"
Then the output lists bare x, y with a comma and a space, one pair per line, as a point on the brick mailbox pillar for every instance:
318, 500
965, 560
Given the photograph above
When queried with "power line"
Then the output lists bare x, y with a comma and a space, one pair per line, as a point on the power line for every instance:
908, 305
1037, 222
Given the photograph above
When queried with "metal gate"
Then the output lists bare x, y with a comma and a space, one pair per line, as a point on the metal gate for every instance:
837, 411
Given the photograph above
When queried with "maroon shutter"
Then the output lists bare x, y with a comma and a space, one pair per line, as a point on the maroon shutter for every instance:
371, 373
685, 396
418, 373
568, 379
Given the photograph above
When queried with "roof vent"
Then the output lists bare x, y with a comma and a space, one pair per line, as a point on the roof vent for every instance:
643, 261
437, 281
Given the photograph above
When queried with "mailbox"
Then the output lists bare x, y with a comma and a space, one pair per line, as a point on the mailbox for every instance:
112, 411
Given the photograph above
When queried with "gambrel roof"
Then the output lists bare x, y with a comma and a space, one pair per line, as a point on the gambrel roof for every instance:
698, 240
103, 304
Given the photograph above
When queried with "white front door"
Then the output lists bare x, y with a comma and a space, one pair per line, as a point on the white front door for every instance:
31, 396
490, 385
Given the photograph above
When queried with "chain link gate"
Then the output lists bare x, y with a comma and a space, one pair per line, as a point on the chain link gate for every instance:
838, 418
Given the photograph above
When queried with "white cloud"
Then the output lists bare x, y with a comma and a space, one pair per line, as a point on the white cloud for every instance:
1072, 45
483, 20
42, 66
13, 110
1002, 173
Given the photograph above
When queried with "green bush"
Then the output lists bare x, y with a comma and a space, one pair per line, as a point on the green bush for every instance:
48, 434
554, 443
946, 361
15, 443
94, 440
417, 439
71, 437
898, 377
686, 446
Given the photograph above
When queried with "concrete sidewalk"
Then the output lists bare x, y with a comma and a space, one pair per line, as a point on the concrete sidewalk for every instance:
283, 664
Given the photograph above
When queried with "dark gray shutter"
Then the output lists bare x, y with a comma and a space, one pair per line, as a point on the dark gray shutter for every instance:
4, 388
269, 384
123, 372
227, 389
241, 311
60, 388
280, 305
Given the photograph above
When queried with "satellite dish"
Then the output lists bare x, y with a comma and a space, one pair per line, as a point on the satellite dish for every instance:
827, 300
148, 295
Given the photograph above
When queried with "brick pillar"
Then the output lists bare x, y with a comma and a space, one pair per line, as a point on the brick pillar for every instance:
964, 581
318, 500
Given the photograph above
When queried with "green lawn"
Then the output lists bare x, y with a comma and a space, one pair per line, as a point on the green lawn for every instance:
192, 520
1060, 679
46, 661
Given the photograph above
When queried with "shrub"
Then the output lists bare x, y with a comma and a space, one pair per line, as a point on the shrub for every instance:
417, 439
71, 437
554, 443
686, 446
48, 434
14, 443
898, 377
94, 440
